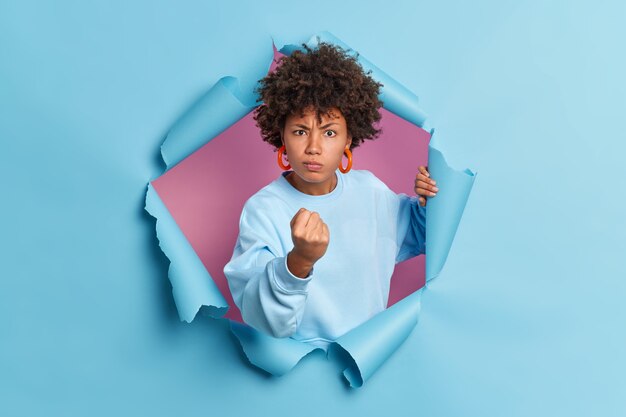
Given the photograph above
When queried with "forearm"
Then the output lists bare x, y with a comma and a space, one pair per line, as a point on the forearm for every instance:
298, 266
411, 228
270, 297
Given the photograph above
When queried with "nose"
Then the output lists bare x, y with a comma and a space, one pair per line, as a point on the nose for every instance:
314, 144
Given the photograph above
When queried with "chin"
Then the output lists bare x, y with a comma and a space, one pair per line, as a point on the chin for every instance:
314, 177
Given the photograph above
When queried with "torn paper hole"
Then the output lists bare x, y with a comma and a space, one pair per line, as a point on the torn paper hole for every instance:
215, 146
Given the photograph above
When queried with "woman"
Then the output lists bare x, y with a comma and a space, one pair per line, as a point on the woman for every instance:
317, 246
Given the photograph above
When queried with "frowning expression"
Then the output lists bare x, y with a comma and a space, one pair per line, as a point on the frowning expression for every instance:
315, 149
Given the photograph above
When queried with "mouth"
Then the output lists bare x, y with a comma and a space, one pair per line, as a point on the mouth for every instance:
313, 166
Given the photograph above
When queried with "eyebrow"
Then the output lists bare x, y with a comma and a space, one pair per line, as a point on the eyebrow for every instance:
321, 127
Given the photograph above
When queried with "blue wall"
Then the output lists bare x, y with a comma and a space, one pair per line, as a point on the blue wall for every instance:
527, 318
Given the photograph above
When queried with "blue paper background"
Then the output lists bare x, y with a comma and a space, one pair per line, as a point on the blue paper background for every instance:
527, 317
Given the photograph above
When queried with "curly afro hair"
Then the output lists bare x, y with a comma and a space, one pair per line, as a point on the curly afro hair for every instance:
320, 78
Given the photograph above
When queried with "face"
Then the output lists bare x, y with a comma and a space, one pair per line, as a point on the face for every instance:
315, 149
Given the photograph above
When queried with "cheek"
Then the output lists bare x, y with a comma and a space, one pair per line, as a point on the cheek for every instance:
340, 153
292, 149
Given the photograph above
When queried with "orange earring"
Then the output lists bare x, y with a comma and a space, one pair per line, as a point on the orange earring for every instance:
281, 164
349, 167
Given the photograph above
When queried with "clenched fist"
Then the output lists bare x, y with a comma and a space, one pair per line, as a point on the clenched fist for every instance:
310, 237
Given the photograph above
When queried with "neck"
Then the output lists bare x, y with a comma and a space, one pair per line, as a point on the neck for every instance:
312, 188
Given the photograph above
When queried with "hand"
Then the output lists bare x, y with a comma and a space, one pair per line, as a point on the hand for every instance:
424, 185
310, 236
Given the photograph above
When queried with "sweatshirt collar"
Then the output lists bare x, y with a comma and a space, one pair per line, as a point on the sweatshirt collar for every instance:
299, 195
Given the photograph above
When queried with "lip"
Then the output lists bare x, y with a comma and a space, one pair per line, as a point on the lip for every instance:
313, 166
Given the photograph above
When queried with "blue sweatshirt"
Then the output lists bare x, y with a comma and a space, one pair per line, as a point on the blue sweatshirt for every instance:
371, 229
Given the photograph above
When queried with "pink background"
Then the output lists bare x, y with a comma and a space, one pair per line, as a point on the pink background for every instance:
206, 191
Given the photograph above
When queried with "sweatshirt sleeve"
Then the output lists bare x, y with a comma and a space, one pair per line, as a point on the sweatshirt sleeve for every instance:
271, 299
411, 222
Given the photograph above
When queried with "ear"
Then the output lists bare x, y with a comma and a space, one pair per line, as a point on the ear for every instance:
349, 142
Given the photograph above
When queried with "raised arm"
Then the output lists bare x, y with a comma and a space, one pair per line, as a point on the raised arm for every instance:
411, 222
412, 216
272, 298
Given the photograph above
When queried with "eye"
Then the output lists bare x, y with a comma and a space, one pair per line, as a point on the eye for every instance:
296, 132
333, 133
